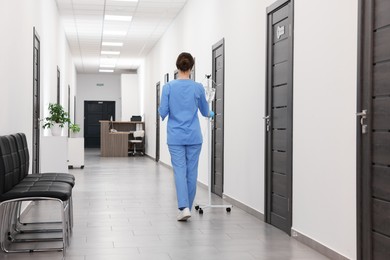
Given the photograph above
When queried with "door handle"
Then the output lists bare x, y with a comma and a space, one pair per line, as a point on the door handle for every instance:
363, 116
267, 122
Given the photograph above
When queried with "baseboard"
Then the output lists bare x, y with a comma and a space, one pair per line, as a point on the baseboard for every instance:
165, 165
160, 162
150, 157
237, 204
202, 185
326, 251
244, 207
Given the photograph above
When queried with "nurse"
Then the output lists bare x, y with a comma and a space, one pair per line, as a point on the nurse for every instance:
180, 101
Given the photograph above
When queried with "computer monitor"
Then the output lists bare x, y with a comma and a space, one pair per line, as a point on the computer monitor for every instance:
136, 118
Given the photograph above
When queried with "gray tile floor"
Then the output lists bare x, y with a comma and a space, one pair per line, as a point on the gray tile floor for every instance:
125, 208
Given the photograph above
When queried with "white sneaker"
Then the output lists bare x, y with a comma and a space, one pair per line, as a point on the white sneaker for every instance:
184, 214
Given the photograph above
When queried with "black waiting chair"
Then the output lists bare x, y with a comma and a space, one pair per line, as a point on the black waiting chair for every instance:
15, 189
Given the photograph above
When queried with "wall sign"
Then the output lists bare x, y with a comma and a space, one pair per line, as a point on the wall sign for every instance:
279, 31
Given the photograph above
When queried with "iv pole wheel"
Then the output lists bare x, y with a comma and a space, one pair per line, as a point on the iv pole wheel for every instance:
200, 211
196, 207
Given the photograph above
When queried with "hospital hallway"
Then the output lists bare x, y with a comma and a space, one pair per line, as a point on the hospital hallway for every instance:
125, 208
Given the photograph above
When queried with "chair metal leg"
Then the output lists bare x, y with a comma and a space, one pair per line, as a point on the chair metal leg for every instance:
10, 217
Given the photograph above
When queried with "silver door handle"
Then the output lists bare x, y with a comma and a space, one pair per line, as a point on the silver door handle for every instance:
363, 115
267, 122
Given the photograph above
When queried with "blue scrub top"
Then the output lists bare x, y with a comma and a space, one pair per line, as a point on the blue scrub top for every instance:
181, 99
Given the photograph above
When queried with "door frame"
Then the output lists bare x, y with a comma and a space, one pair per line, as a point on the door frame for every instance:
363, 155
36, 116
58, 85
213, 81
158, 92
268, 108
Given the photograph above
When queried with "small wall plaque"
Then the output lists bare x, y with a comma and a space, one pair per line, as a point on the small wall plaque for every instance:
99, 84
279, 31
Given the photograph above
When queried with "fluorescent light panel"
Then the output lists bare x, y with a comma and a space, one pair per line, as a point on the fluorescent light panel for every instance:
112, 44
124, 0
121, 18
106, 70
111, 52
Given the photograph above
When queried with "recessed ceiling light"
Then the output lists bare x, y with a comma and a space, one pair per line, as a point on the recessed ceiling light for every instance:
111, 52
106, 70
121, 18
112, 43
107, 66
115, 33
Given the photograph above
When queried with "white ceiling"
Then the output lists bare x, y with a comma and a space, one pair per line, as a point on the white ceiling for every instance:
84, 25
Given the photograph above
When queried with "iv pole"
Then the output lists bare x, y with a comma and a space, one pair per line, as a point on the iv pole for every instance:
210, 94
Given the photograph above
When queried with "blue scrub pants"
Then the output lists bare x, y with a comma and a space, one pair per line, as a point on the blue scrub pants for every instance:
185, 160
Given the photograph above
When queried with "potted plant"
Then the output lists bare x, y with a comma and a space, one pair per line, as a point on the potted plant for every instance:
74, 128
57, 119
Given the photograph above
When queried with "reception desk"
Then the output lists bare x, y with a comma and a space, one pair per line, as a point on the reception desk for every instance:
116, 143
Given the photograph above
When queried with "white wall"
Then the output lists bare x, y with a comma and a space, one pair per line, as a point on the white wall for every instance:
324, 173
130, 96
324, 106
244, 86
17, 19
87, 90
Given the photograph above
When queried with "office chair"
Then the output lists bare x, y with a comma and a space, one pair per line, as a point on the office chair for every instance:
138, 139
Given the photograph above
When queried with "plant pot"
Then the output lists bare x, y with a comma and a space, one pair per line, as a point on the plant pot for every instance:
56, 130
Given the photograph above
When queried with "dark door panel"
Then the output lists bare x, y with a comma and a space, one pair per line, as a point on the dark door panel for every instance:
373, 131
279, 184
381, 117
381, 216
279, 205
279, 96
380, 180
381, 148
279, 161
280, 29
280, 52
95, 111
279, 117
158, 118
36, 103
280, 73
380, 79
217, 159
279, 140
380, 246
382, 10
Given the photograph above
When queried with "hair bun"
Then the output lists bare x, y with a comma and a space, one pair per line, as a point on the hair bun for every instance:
184, 61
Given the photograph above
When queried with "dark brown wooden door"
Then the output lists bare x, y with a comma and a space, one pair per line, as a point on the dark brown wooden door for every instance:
218, 76
278, 120
158, 122
373, 126
36, 102
94, 111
